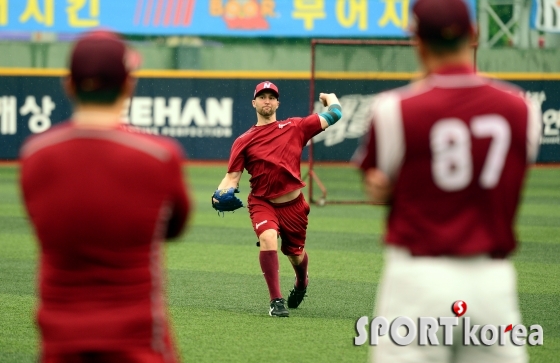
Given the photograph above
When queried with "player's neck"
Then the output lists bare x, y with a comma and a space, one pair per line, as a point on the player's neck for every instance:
433, 63
263, 120
97, 116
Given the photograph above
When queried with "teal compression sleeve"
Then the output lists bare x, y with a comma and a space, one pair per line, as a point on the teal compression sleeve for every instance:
333, 114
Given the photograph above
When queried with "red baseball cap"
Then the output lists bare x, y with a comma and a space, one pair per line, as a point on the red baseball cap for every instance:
266, 86
444, 20
101, 60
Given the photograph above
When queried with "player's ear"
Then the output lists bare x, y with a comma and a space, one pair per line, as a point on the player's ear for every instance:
128, 87
473, 36
69, 87
254, 104
421, 49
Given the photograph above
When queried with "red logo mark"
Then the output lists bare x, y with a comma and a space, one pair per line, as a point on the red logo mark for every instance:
508, 328
459, 308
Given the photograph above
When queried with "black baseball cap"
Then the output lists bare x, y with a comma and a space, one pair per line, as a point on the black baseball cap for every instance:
441, 20
101, 60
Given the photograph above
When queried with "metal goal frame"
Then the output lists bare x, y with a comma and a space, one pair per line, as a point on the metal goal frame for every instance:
311, 174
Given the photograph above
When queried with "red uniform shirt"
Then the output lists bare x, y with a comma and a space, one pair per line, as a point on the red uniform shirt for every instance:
456, 147
101, 202
272, 153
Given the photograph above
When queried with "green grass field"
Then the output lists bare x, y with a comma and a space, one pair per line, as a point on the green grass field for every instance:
218, 299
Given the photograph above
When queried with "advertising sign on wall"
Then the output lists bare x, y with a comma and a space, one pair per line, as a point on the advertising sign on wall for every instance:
545, 15
293, 18
341, 140
206, 114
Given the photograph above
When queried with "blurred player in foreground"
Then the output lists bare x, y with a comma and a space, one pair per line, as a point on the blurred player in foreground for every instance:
271, 153
449, 154
102, 201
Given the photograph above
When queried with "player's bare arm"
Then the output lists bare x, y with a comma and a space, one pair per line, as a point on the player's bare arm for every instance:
224, 199
334, 112
231, 180
377, 185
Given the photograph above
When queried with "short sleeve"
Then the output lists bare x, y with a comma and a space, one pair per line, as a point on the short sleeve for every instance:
365, 156
534, 126
236, 157
385, 146
310, 126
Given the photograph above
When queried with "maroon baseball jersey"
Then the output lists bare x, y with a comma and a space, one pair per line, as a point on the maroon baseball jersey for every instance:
101, 202
456, 147
272, 153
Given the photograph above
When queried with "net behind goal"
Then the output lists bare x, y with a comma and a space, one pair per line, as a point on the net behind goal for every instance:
356, 70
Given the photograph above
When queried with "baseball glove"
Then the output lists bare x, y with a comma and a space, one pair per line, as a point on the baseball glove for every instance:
224, 200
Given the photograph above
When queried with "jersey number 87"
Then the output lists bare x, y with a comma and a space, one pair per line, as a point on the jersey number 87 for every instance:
450, 142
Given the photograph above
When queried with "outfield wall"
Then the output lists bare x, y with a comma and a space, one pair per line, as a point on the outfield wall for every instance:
206, 110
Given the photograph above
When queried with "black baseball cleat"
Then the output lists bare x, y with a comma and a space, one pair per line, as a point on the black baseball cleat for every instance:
296, 297
277, 308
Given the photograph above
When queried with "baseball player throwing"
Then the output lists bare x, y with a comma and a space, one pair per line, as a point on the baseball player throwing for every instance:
271, 152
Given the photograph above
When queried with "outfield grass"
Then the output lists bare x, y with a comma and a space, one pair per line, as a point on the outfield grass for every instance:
218, 298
